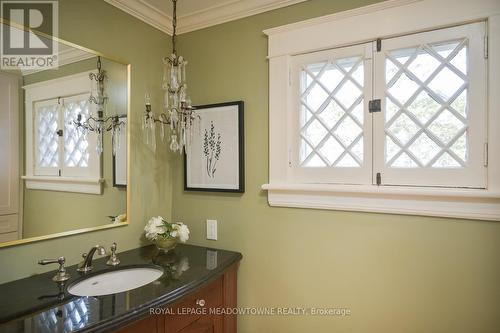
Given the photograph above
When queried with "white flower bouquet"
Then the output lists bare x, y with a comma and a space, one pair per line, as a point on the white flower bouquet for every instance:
158, 228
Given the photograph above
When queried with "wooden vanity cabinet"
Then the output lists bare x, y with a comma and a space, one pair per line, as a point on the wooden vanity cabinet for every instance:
180, 317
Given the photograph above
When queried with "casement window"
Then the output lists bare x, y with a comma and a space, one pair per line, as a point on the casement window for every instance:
386, 115
60, 148
59, 156
427, 122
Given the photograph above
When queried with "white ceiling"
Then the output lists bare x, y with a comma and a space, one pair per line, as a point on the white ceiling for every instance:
195, 14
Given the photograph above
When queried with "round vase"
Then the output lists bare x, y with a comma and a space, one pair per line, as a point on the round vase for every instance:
165, 244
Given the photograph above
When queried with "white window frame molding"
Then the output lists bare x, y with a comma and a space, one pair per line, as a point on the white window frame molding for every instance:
362, 25
51, 89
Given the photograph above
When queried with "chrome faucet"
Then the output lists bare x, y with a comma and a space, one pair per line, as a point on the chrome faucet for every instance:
86, 264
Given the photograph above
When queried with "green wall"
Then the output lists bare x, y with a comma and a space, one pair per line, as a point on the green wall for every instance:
48, 212
396, 273
96, 25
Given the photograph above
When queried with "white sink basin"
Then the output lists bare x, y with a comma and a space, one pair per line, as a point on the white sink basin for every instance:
117, 281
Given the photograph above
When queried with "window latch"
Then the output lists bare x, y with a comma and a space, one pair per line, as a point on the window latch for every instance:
60, 132
375, 105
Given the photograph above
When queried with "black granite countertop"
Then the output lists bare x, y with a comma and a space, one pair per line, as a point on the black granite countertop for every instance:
35, 304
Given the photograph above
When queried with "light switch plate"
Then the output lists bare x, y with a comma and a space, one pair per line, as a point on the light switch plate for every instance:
212, 229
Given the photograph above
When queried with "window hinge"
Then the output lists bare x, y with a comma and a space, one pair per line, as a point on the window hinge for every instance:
59, 171
379, 179
375, 105
290, 76
486, 154
486, 47
59, 132
379, 44
290, 158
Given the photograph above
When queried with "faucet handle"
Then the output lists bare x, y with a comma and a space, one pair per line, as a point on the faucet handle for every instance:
61, 275
113, 259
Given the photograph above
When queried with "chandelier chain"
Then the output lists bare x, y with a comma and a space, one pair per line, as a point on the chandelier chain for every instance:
174, 25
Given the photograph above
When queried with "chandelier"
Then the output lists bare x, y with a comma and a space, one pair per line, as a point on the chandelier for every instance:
178, 113
99, 122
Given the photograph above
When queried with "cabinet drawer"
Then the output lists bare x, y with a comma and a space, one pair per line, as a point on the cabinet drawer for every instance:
146, 325
8, 237
8, 223
188, 309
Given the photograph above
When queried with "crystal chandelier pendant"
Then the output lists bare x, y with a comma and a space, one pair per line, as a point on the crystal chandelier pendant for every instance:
99, 146
176, 101
178, 112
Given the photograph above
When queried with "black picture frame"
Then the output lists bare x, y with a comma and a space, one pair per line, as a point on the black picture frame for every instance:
241, 150
115, 184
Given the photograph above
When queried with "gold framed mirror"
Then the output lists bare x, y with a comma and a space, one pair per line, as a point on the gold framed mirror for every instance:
64, 146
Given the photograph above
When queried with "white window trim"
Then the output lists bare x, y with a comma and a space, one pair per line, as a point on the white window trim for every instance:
379, 21
64, 184
49, 90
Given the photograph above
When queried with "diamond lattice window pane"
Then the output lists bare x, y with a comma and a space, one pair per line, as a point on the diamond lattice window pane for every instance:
348, 63
348, 131
331, 150
47, 119
390, 70
446, 126
424, 107
315, 161
331, 114
348, 94
357, 112
404, 128
403, 88
403, 55
331, 77
460, 61
348, 162
460, 104
391, 110
423, 65
357, 149
391, 149
446, 83
331, 126
422, 129
459, 147
445, 49
446, 161
424, 149
314, 132
404, 161
315, 97
306, 115
76, 152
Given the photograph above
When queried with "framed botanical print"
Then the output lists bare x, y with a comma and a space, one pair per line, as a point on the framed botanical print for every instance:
214, 161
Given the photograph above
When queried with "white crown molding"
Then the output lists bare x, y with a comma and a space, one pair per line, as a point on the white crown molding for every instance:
72, 55
146, 13
67, 56
225, 12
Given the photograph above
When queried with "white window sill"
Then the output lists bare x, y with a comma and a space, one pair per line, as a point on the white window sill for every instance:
457, 203
64, 184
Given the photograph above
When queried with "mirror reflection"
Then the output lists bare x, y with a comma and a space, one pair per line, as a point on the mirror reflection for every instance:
63, 146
